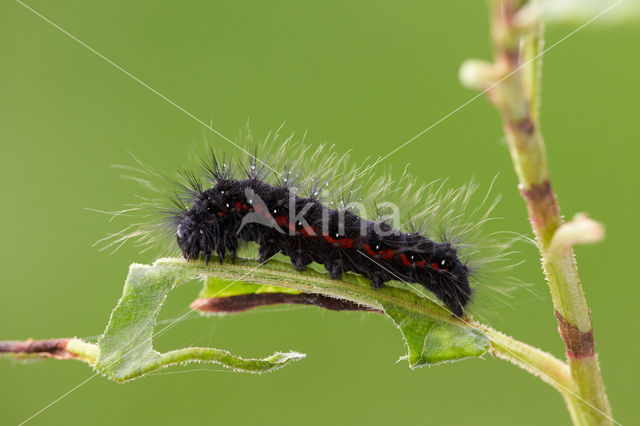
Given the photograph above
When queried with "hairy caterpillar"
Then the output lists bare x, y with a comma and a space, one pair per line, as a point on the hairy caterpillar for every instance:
298, 214
305, 230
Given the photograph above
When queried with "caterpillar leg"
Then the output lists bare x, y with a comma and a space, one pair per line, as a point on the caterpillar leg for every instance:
335, 269
221, 253
300, 260
299, 264
335, 272
266, 252
378, 280
232, 246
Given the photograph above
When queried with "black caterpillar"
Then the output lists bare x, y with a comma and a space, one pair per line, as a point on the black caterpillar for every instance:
232, 211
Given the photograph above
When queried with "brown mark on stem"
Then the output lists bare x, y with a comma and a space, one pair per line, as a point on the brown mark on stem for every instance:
512, 56
526, 126
579, 344
51, 348
542, 203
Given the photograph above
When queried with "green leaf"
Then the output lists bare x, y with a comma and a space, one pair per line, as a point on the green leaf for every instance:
431, 341
432, 335
216, 287
125, 350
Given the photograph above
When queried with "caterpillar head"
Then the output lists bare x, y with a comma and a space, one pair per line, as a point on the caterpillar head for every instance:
198, 229
451, 278
192, 237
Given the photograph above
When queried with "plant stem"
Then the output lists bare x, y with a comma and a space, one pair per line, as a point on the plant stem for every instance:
537, 362
517, 68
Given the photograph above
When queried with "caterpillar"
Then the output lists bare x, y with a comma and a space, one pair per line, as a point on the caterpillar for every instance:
302, 228
286, 205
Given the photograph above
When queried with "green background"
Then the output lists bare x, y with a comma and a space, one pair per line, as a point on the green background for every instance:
364, 75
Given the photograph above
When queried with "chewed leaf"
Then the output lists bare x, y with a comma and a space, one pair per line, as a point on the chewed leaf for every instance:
125, 350
432, 337
431, 341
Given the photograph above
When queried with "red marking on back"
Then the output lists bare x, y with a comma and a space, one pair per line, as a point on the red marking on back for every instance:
307, 231
220, 213
434, 266
386, 254
368, 249
281, 220
421, 263
405, 260
346, 242
238, 205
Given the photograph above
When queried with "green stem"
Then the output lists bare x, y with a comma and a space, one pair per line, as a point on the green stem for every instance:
84, 351
539, 363
517, 68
